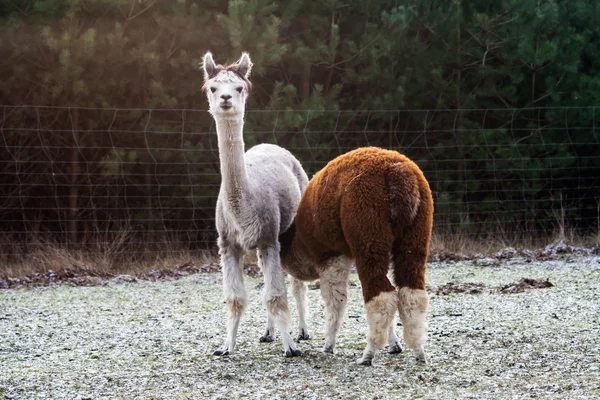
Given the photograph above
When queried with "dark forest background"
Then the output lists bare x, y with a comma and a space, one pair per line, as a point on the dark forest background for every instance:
104, 129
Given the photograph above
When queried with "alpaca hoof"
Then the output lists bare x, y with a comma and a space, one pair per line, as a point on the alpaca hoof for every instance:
293, 353
303, 335
364, 361
328, 349
395, 349
420, 355
221, 353
266, 339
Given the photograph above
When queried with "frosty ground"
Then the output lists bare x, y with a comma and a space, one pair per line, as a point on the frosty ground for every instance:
131, 338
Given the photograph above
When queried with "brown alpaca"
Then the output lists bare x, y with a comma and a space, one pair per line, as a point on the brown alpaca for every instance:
373, 206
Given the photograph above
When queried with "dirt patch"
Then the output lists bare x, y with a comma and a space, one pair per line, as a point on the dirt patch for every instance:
86, 278
554, 251
558, 249
524, 285
466, 287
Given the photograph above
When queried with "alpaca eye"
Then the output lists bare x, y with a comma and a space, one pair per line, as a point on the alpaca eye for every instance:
213, 89
239, 89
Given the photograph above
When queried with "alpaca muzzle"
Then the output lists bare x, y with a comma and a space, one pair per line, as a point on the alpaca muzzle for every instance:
226, 106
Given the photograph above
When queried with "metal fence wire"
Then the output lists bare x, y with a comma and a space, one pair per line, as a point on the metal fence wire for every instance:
78, 176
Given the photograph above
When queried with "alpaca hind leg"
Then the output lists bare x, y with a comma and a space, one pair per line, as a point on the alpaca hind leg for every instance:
235, 296
366, 227
380, 316
393, 340
334, 290
409, 265
275, 298
413, 305
300, 289
381, 300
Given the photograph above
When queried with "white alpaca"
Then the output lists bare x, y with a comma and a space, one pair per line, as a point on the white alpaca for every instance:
260, 192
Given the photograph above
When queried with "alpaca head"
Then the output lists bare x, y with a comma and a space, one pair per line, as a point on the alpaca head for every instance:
227, 86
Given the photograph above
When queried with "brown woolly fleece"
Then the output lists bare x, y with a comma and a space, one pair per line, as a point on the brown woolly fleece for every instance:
372, 205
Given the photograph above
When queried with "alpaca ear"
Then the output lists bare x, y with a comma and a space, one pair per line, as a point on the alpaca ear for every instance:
245, 65
208, 65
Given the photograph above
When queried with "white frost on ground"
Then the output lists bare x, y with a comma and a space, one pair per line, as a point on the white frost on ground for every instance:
155, 340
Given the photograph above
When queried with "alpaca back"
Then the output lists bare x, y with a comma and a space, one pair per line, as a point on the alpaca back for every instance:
277, 181
368, 179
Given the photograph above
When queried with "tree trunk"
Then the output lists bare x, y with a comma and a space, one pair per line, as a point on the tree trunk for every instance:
150, 236
458, 93
534, 66
148, 189
75, 168
458, 66
305, 88
328, 82
391, 133
330, 72
460, 172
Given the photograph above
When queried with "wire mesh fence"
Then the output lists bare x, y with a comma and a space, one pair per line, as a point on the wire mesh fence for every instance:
146, 180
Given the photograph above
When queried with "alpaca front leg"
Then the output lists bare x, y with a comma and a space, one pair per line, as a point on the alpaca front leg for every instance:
275, 298
334, 290
380, 315
235, 296
299, 289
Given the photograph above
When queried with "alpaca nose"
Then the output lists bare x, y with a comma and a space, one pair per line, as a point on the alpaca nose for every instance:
225, 96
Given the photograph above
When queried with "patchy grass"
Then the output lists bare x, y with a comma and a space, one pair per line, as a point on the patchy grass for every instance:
154, 339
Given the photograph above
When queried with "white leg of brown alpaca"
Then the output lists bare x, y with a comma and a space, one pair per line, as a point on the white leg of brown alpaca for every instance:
299, 289
380, 315
393, 340
413, 305
334, 290
235, 295
275, 297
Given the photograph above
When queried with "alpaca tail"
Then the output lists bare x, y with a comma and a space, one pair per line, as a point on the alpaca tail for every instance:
412, 219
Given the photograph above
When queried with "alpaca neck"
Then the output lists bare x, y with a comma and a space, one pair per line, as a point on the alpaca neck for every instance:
231, 157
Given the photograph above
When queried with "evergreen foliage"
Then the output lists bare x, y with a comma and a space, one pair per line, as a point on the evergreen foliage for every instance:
326, 58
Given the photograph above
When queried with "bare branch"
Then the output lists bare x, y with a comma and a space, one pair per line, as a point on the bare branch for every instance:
150, 5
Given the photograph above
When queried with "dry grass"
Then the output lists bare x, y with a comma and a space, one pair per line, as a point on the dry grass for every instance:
101, 257
461, 242
469, 244
106, 255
